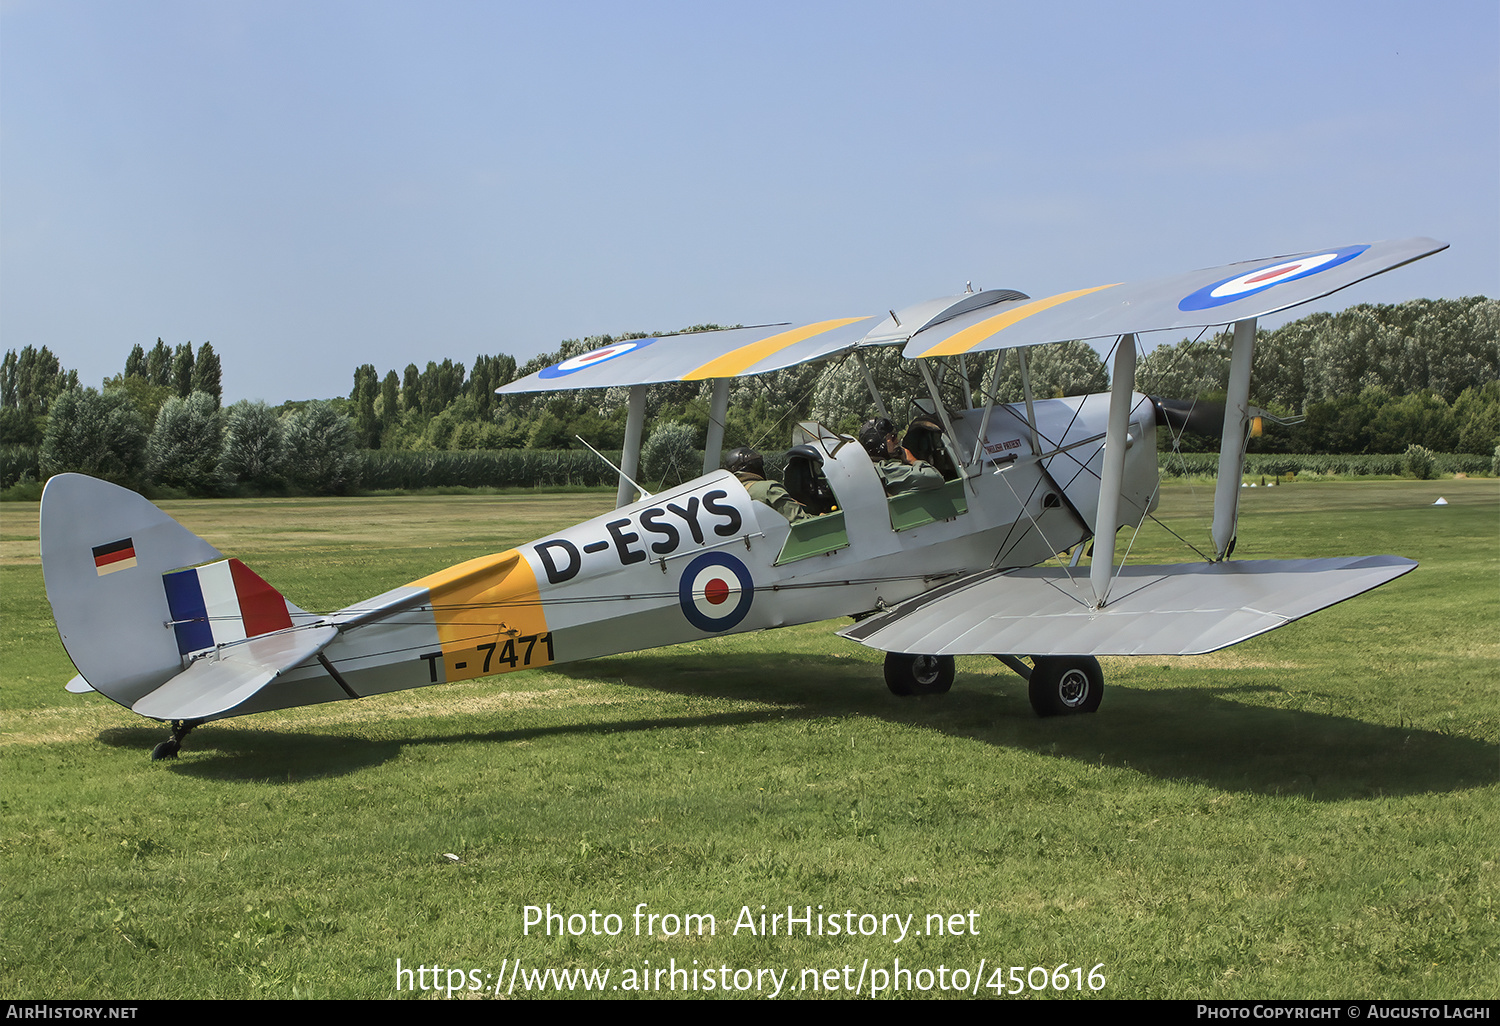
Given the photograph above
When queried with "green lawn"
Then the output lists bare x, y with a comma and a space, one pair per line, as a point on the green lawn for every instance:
1313, 813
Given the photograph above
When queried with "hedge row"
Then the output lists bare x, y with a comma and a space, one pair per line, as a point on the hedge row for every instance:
539, 468
378, 469
1206, 464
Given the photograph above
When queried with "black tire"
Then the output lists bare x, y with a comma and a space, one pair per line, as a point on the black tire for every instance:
166, 750
918, 674
1065, 685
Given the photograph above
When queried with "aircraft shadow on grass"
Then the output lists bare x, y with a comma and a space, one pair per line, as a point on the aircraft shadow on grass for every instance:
1199, 733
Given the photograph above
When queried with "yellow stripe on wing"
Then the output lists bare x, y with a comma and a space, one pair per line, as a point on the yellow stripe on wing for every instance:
967, 339
736, 360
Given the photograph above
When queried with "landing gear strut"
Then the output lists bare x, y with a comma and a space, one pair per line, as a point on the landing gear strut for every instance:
168, 749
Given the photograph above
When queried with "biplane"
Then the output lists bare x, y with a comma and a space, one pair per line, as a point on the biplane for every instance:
989, 563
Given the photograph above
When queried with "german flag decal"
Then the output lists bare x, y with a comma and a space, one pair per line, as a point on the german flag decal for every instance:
118, 555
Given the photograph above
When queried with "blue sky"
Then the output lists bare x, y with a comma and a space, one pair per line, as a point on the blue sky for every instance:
315, 185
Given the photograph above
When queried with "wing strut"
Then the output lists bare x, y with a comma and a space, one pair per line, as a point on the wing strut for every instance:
1036, 441
1113, 472
864, 368
713, 445
630, 459
989, 408
942, 412
1232, 446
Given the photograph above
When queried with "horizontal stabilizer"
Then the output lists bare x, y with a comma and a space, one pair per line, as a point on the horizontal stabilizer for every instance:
1175, 609
381, 607
385, 606
79, 686
218, 682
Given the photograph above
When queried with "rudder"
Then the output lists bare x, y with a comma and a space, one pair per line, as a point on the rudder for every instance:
105, 551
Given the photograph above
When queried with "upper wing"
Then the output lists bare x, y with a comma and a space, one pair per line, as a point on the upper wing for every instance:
983, 321
698, 355
1217, 295
1175, 609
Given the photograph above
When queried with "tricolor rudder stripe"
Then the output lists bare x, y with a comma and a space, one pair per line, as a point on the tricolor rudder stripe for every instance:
222, 602
118, 555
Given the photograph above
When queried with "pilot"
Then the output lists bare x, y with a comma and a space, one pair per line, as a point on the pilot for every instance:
748, 465
899, 471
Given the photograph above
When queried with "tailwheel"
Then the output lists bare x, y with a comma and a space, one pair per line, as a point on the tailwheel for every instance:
169, 748
918, 674
1063, 685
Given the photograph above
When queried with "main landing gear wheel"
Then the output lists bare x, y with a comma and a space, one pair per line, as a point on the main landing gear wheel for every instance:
1063, 685
918, 674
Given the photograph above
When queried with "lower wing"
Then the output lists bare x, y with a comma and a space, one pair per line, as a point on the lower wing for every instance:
1176, 609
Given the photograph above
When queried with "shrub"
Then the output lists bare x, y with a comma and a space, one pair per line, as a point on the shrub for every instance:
669, 454
320, 449
90, 433
18, 463
184, 449
1418, 462
254, 450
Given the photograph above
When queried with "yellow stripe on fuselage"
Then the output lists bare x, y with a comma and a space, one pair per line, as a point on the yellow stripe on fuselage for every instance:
963, 341
736, 360
489, 616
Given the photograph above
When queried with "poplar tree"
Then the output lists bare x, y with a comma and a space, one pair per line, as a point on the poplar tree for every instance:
366, 427
135, 363
390, 391
411, 388
182, 370
159, 364
208, 375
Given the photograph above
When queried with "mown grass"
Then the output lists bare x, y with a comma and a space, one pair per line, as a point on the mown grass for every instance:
1313, 813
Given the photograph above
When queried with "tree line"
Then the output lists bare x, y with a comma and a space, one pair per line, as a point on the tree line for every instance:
1370, 379
1367, 380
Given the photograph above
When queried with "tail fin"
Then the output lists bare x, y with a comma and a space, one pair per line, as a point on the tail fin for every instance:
129, 595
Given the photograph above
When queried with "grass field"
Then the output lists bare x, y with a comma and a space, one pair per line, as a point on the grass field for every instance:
1313, 813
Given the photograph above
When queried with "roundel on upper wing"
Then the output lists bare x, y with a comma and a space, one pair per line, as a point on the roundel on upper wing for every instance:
1266, 276
715, 592
583, 361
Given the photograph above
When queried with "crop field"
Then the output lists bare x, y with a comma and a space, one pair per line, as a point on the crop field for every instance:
1314, 813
